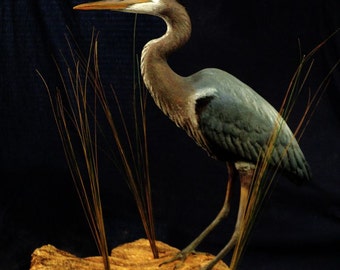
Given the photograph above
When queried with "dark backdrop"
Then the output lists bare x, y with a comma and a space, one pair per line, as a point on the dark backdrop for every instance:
255, 40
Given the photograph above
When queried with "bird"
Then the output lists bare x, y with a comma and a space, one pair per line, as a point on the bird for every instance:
223, 115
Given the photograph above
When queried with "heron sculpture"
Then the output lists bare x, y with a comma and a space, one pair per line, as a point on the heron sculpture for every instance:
224, 116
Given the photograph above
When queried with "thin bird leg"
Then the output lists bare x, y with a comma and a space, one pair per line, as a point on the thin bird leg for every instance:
246, 171
182, 255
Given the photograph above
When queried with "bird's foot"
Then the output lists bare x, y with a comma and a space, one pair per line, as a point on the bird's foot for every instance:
205, 268
208, 266
181, 257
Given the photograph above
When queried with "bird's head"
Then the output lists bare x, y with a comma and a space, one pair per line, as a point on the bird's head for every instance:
152, 7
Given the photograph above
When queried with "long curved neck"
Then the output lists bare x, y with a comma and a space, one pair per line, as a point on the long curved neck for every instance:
167, 88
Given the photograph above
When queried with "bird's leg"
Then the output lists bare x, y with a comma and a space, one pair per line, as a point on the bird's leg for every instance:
246, 171
182, 255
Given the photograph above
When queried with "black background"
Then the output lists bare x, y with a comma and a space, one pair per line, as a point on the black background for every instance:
257, 41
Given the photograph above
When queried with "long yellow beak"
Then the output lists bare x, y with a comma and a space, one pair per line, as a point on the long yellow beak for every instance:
109, 4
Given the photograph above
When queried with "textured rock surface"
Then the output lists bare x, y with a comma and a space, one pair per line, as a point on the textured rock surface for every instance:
130, 256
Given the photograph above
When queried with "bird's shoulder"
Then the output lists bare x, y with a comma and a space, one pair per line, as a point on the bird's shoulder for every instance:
231, 114
216, 80
219, 94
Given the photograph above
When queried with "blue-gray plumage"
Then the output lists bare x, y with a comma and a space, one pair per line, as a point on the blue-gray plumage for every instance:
237, 124
220, 113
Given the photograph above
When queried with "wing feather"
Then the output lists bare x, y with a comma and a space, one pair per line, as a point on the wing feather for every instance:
237, 124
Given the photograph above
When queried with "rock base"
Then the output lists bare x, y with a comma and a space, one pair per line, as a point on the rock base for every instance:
130, 256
